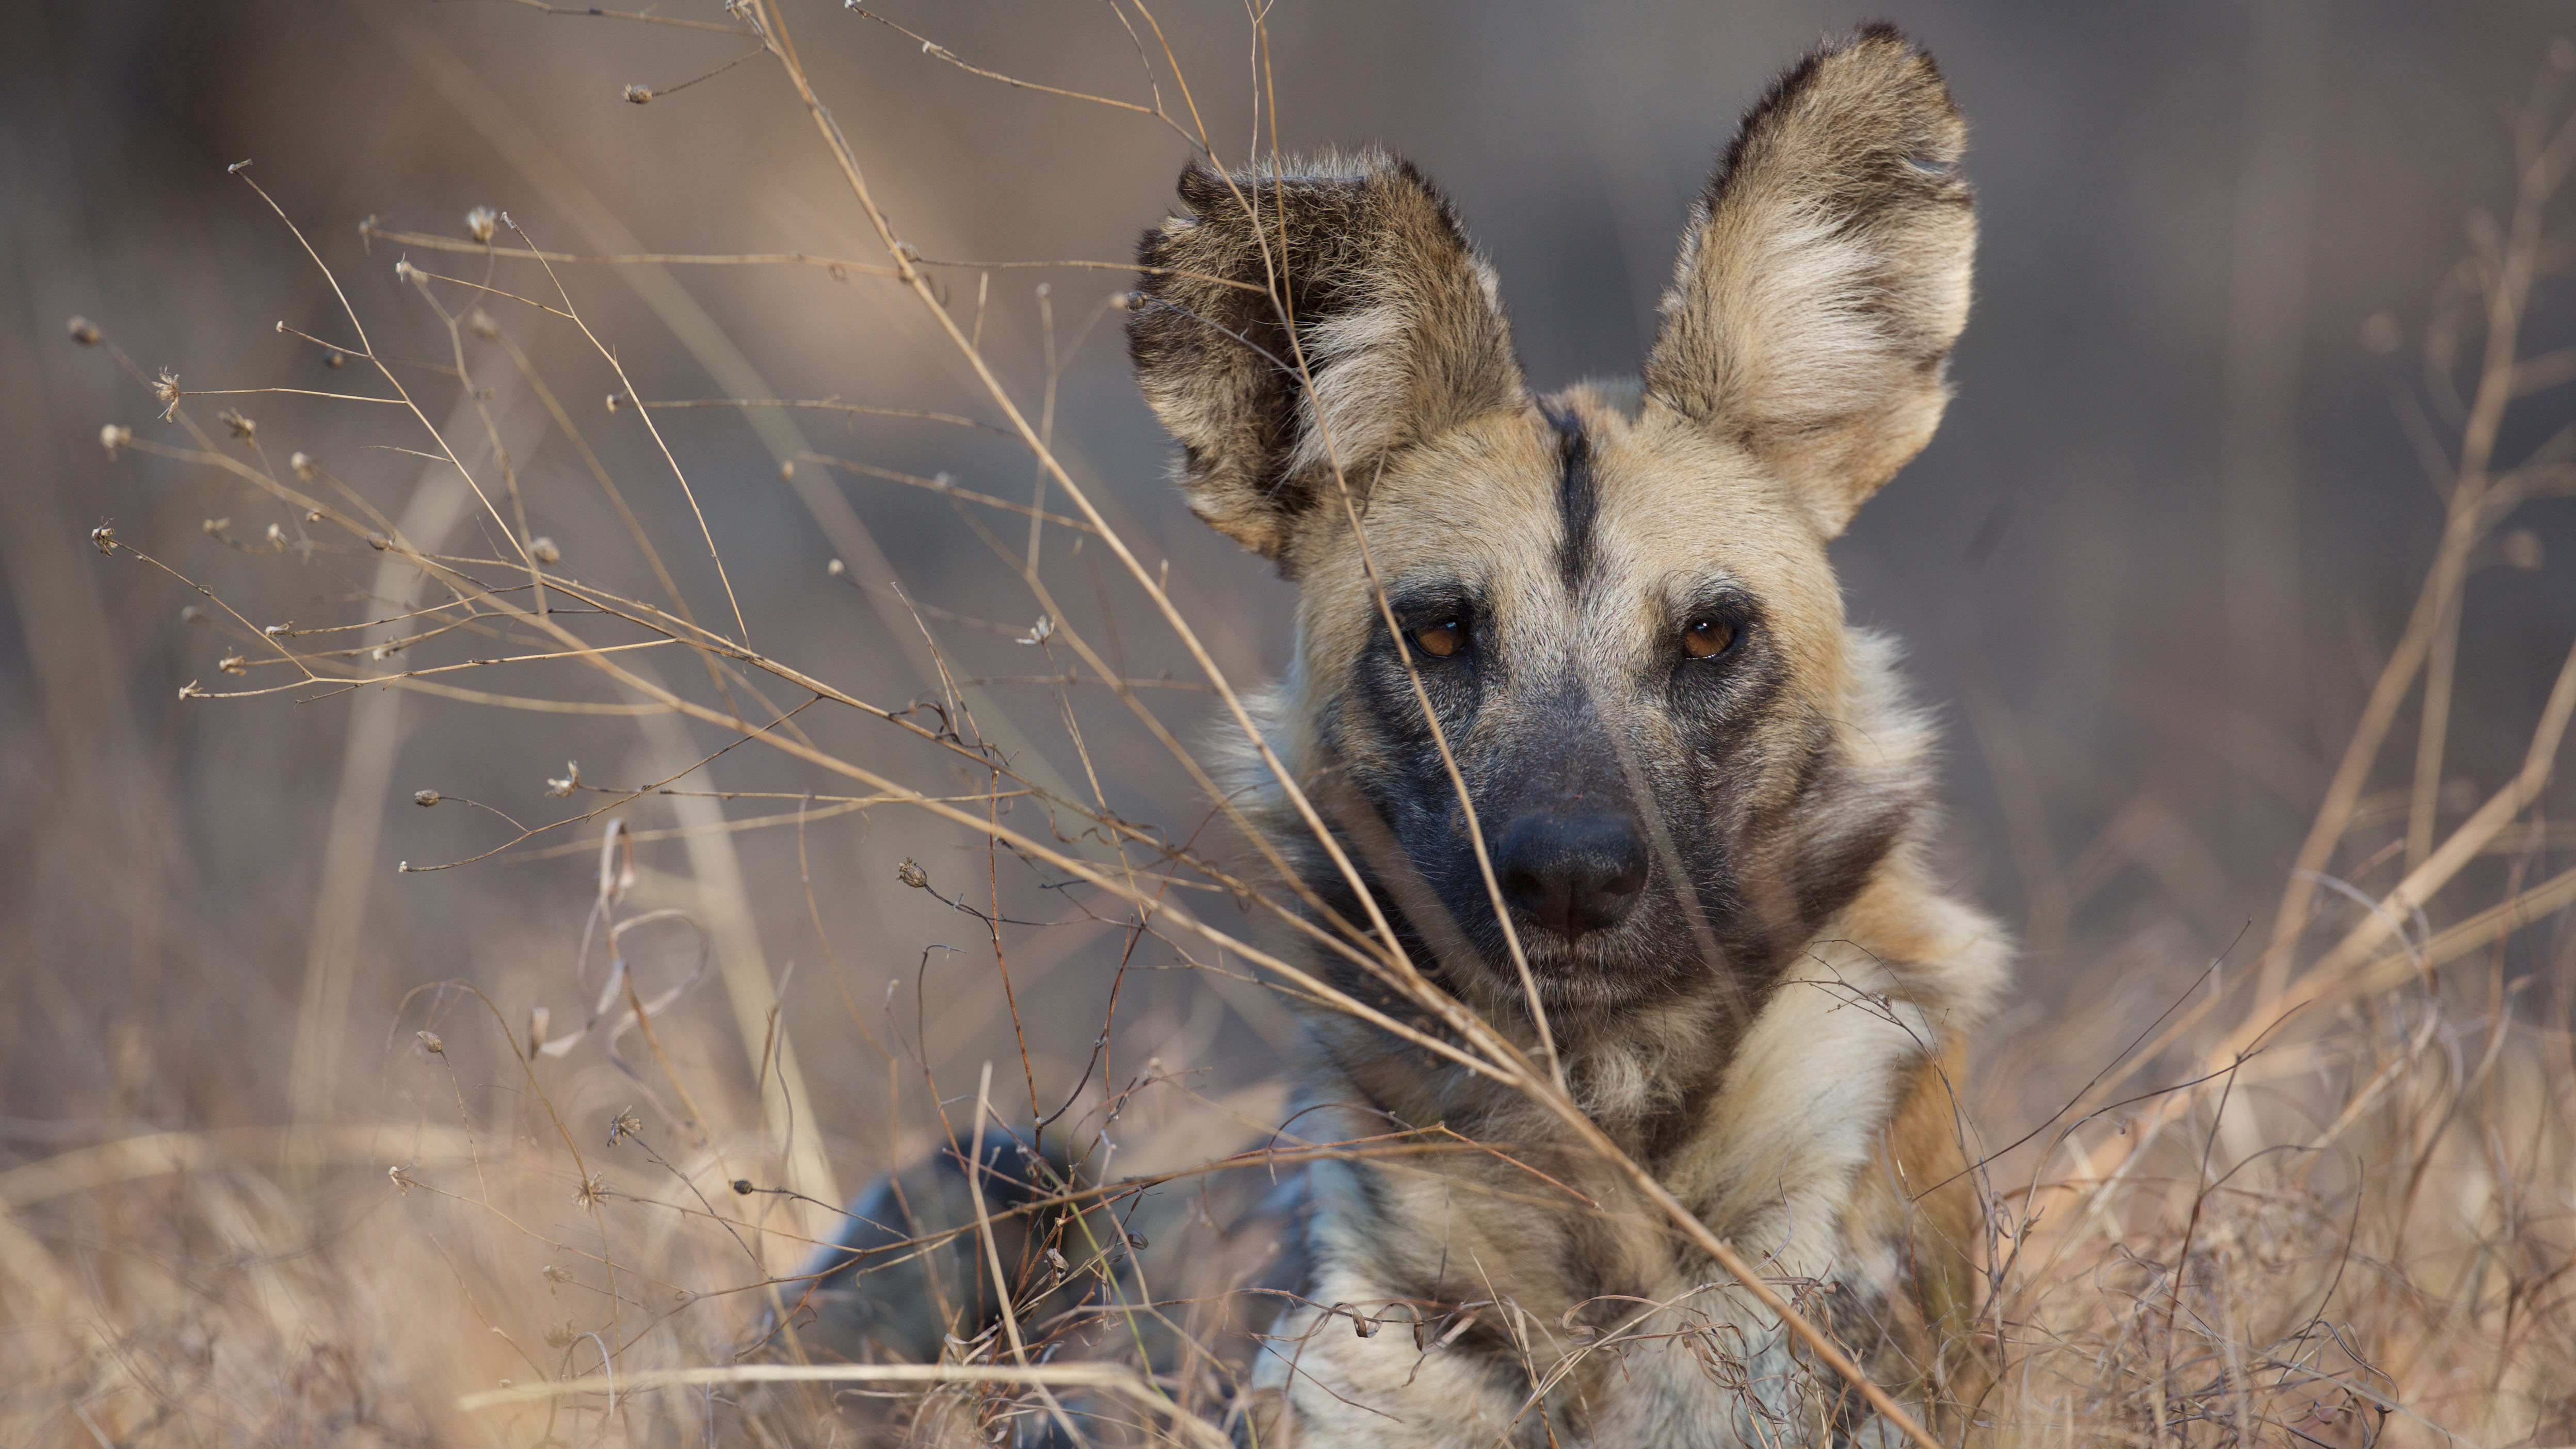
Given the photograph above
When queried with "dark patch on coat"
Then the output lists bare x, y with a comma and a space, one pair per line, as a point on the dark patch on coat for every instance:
1578, 496
876, 1295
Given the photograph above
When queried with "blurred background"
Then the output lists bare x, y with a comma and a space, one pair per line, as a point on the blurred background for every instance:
2147, 572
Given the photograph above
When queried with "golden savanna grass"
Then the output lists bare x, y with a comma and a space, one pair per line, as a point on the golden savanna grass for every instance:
2318, 1194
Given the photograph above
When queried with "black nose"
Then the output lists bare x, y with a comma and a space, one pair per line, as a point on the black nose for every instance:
1572, 873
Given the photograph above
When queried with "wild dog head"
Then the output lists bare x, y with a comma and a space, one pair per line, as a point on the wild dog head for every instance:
1616, 600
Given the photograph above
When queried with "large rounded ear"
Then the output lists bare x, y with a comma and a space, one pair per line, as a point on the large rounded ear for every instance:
1825, 275
1301, 318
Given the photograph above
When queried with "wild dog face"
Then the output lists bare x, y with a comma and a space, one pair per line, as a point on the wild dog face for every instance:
1616, 601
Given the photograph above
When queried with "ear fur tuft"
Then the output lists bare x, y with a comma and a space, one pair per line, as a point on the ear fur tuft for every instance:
1825, 274
1396, 319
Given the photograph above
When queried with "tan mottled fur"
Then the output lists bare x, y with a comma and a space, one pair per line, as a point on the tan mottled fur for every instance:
1793, 1087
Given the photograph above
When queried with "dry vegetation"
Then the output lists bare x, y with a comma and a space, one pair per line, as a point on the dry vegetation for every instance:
2322, 1199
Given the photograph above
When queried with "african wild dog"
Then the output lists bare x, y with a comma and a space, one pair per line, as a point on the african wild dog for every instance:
1705, 792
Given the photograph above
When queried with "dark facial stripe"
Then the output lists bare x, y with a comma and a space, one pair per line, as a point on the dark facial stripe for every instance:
1577, 497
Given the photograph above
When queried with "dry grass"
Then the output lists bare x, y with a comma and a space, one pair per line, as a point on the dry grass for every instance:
2320, 1200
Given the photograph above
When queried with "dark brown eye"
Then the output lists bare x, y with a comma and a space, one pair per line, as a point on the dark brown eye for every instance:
1708, 638
1442, 639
